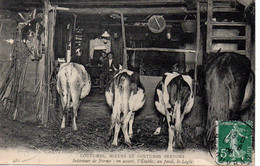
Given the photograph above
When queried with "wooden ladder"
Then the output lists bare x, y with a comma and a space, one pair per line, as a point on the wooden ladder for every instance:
213, 24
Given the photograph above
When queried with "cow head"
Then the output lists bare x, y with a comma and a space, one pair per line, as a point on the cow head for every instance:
31, 36
31, 30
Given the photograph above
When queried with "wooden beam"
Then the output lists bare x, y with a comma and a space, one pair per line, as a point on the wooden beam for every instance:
124, 42
161, 49
128, 11
133, 25
226, 9
227, 23
228, 38
121, 3
205, 1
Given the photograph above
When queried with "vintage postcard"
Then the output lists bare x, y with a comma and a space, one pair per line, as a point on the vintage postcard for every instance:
127, 82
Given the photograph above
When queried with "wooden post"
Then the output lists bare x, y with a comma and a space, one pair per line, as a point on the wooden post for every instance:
45, 103
49, 24
248, 41
197, 39
124, 41
197, 44
209, 25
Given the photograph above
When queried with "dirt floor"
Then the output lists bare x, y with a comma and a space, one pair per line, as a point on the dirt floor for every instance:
92, 132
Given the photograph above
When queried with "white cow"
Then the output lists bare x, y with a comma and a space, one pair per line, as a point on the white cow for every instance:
73, 84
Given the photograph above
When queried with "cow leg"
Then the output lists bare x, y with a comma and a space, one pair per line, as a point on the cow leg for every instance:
131, 121
64, 113
75, 105
171, 135
116, 118
160, 123
179, 141
75, 114
125, 128
178, 124
170, 132
63, 120
117, 128
64, 110
125, 132
113, 121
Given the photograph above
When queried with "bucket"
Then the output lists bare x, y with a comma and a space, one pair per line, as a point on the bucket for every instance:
189, 26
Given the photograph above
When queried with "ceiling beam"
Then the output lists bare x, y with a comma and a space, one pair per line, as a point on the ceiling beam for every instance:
120, 3
127, 11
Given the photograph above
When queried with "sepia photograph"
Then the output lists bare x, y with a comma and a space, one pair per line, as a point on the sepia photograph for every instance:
127, 82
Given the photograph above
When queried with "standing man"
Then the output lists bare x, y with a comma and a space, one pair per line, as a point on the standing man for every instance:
102, 58
108, 69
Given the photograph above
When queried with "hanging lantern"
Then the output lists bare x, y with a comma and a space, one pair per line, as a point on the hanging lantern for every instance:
105, 34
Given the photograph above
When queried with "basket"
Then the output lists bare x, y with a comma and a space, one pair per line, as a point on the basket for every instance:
189, 26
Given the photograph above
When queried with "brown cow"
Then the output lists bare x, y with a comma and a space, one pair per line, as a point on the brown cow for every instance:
73, 84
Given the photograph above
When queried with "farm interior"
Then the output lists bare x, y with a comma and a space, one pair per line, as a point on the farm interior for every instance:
150, 37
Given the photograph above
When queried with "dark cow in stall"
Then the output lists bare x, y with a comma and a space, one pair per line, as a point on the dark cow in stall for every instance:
31, 36
125, 95
73, 84
174, 98
229, 89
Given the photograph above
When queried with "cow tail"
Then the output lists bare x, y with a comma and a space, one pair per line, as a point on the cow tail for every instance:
121, 83
68, 74
218, 108
124, 90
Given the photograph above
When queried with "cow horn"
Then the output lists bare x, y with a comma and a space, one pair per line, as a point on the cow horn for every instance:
34, 14
22, 17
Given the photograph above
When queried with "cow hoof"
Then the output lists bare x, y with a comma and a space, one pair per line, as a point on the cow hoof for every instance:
180, 145
130, 136
62, 126
114, 144
62, 129
179, 142
75, 128
128, 144
157, 131
170, 149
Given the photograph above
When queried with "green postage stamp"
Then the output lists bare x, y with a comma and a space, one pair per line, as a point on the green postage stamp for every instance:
234, 142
